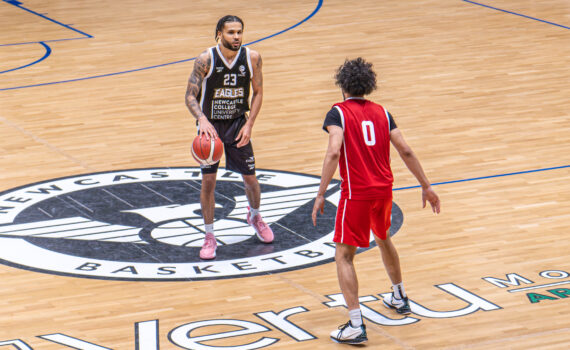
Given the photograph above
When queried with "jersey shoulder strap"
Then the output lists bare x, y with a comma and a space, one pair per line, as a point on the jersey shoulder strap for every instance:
249, 65
212, 61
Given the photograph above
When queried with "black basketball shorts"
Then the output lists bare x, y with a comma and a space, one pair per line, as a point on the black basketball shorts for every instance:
240, 160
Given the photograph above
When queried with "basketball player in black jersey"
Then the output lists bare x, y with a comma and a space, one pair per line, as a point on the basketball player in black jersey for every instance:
218, 97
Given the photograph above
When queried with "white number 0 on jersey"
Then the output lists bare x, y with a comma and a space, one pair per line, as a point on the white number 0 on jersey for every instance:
368, 133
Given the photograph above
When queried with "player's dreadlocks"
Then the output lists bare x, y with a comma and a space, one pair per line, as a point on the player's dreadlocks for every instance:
223, 21
356, 77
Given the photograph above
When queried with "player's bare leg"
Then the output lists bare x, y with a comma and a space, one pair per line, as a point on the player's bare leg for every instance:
398, 300
253, 194
354, 331
208, 203
347, 279
207, 199
252, 190
390, 258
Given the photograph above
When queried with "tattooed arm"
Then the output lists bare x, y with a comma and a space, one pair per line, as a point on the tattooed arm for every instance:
201, 68
256, 99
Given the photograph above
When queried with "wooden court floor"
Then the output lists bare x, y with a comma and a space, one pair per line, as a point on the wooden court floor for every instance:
95, 140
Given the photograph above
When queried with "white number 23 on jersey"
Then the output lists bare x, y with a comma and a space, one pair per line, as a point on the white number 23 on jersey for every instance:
230, 79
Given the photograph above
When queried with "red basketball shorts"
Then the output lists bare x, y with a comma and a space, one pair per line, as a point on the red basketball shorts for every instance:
355, 219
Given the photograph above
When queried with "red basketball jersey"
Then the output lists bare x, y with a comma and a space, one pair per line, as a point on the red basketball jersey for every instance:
365, 154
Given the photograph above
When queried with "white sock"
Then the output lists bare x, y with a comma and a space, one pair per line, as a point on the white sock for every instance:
399, 292
209, 228
355, 318
253, 212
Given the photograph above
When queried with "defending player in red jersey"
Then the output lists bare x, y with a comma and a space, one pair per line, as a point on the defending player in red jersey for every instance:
360, 132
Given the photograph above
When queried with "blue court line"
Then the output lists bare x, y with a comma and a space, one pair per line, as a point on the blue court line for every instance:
18, 5
486, 177
44, 41
517, 14
319, 5
48, 52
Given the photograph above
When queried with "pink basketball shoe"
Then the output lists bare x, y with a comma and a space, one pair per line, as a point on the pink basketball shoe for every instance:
263, 232
208, 251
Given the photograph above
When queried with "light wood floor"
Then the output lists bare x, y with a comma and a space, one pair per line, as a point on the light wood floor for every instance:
478, 92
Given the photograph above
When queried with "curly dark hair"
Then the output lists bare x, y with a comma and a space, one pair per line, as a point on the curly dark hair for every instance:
224, 20
356, 77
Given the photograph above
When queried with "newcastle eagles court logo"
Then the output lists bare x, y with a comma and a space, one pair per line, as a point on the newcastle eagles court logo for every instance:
146, 224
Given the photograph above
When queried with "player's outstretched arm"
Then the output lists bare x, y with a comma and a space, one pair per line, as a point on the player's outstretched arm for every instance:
413, 163
201, 68
329, 167
244, 134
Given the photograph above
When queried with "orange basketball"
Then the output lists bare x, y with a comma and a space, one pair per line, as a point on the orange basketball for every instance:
207, 152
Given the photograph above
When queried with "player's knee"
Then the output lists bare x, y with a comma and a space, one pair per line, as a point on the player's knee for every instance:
343, 259
250, 182
343, 255
381, 242
208, 184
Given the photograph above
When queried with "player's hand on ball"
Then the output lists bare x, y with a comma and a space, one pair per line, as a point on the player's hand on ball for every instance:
207, 152
206, 128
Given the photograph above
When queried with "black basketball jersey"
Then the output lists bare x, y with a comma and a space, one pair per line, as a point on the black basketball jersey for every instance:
225, 90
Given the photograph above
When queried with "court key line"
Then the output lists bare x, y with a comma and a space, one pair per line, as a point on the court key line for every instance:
319, 5
48, 50
18, 4
46, 55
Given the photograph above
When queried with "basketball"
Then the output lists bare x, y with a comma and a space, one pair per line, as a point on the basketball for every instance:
207, 152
